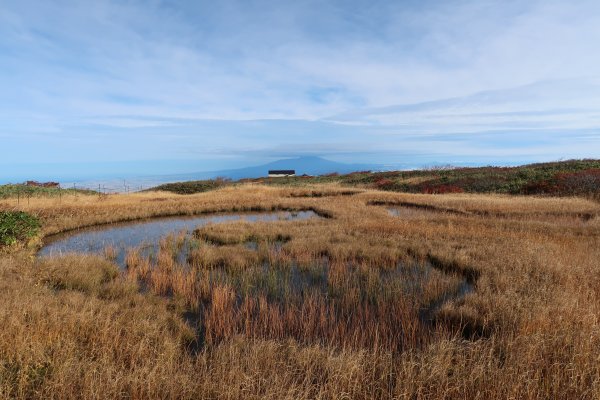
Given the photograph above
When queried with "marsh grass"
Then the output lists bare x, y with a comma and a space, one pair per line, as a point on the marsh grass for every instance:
74, 272
265, 294
321, 314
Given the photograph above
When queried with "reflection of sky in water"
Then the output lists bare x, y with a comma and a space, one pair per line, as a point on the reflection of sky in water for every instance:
148, 233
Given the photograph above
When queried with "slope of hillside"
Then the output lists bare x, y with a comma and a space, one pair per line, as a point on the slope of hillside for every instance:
564, 178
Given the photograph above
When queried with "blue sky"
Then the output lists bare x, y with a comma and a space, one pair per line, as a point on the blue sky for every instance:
88, 87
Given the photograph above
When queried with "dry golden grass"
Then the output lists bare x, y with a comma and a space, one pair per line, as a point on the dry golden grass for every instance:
73, 327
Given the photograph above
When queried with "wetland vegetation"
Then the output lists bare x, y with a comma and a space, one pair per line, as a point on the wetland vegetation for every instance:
385, 295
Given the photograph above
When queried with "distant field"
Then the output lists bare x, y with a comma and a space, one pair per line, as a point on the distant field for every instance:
384, 295
565, 178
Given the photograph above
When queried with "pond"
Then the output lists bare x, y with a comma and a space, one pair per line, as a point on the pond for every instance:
318, 301
147, 233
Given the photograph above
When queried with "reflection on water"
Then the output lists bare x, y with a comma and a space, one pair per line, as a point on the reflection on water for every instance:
146, 234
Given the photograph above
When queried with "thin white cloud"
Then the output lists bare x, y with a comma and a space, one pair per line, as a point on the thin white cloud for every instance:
104, 69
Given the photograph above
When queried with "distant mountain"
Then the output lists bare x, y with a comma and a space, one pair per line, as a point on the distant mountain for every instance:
310, 165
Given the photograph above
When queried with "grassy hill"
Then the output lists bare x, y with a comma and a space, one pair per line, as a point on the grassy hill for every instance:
564, 178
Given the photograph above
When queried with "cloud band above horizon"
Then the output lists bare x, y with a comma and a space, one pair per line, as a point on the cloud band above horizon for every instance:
237, 82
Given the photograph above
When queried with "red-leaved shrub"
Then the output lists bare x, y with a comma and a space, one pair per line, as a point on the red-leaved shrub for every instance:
582, 182
384, 183
440, 189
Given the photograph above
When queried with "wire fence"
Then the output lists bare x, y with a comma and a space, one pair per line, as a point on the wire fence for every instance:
25, 192
113, 188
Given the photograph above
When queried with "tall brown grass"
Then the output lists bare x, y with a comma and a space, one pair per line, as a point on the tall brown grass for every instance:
231, 322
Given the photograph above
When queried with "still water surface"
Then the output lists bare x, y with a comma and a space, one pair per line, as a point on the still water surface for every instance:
147, 233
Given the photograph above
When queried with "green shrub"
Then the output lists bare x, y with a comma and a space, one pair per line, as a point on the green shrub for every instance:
23, 191
192, 187
17, 226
